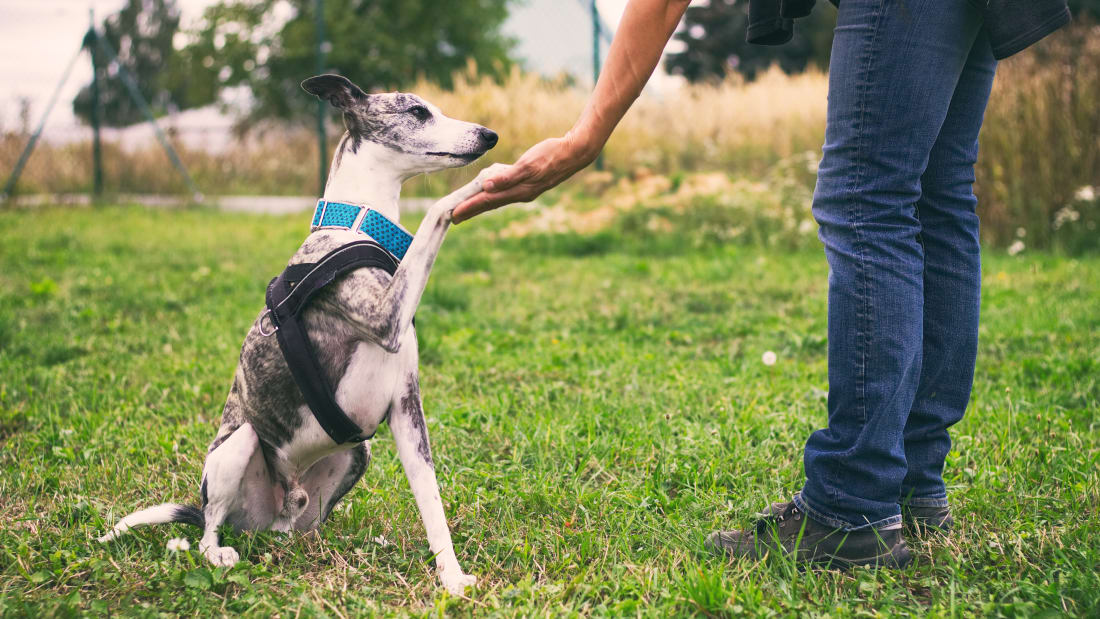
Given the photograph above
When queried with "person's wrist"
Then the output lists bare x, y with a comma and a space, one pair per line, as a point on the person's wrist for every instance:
582, 147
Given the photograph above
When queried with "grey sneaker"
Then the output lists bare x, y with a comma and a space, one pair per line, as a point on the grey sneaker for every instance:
785, 529
920, 520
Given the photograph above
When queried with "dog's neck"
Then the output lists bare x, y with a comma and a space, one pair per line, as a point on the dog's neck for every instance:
366, 177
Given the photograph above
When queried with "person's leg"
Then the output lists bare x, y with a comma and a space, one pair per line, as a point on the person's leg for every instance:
894, 69
952, 283
895, 66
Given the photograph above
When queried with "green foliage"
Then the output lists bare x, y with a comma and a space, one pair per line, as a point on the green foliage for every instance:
142, 35
383, 44
714, 39
592, 418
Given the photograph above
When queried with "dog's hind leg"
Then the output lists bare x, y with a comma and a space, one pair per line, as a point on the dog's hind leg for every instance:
410, 432
236, 487
327, 481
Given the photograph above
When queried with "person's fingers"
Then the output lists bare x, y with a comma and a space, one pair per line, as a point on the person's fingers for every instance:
470, 207
483, 202
506, 177
479, 204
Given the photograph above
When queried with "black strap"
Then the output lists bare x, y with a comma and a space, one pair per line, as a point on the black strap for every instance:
287, 296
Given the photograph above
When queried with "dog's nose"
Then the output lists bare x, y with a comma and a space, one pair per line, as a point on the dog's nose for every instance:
488, 137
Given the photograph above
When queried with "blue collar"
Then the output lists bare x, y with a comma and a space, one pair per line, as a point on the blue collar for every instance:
364, 220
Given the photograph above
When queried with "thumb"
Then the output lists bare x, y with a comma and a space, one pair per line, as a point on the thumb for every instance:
504, 177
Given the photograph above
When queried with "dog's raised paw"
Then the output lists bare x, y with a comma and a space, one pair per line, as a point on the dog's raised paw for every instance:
457, 585
222, 556
492, 170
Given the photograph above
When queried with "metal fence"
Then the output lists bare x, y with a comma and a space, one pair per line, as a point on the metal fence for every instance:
174, 157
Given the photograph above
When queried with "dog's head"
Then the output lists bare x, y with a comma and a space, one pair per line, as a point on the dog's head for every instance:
421, 137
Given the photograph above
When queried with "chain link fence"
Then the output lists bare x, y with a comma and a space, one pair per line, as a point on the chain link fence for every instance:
276, 161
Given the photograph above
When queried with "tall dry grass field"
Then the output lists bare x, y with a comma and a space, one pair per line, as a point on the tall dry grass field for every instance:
1039, 167
1040, 154
274, 161
736, 126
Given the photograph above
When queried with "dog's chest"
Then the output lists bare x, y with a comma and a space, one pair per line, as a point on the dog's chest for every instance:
366, 378
372, 382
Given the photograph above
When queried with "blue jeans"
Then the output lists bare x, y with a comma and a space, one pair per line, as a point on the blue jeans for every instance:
908, 85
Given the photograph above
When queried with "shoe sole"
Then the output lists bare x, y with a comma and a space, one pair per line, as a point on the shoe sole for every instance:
898, 557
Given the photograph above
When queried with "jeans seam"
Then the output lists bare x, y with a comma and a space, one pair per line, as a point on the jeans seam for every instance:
865, 301
866, 310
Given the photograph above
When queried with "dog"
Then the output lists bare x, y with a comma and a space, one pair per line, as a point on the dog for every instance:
271, 465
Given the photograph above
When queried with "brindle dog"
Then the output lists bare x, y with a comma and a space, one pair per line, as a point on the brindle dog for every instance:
271, 465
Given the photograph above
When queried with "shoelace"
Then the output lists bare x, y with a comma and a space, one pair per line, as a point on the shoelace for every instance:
789, 511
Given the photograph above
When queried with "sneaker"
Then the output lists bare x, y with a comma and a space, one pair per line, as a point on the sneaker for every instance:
920, 520
785, 529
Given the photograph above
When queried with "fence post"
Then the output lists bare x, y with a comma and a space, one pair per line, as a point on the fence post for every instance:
143, 105
322, 146
596, 63
9, 187
97, 149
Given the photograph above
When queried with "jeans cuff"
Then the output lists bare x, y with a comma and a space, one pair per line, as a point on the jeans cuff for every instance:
838, 522
924, 501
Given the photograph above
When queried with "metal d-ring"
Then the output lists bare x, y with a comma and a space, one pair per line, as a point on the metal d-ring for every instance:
275, 327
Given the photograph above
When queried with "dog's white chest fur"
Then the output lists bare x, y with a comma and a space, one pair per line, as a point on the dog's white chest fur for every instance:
372, 380
371, 383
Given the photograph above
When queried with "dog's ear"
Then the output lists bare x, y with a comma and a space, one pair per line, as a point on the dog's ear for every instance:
336, 89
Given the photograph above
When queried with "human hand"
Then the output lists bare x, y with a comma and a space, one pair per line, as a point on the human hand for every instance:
644, 29
542, 167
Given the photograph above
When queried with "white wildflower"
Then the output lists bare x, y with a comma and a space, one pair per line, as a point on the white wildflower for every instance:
381, 541
1064, 216
1085, 194
1016, 247
177, 544
768, 358
1021, 232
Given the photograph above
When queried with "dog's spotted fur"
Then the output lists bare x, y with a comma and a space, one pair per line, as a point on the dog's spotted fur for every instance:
271, 465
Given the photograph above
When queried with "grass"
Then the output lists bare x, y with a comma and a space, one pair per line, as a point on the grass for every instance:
595, 406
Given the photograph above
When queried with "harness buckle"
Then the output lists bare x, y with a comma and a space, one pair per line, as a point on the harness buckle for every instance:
275, 327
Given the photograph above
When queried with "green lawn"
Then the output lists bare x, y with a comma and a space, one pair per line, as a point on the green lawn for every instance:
595, 408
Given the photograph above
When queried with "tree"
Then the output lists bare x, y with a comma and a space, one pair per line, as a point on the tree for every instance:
141, 34
714, 42
269, 46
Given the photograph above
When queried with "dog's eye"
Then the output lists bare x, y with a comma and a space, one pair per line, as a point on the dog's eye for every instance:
420, 112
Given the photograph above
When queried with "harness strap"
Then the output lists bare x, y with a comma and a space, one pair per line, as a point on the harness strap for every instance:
287, 296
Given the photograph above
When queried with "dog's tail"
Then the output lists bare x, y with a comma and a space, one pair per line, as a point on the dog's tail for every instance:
165, 512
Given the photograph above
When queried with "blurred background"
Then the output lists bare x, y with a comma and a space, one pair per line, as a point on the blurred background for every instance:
722, 146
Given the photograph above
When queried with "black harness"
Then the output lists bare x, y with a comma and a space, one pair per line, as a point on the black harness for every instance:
287, 296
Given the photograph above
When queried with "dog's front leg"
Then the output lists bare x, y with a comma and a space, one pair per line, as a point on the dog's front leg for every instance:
407, 286
385, 318
410, 432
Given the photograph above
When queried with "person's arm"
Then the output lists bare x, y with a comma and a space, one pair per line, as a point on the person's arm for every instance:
643, 32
